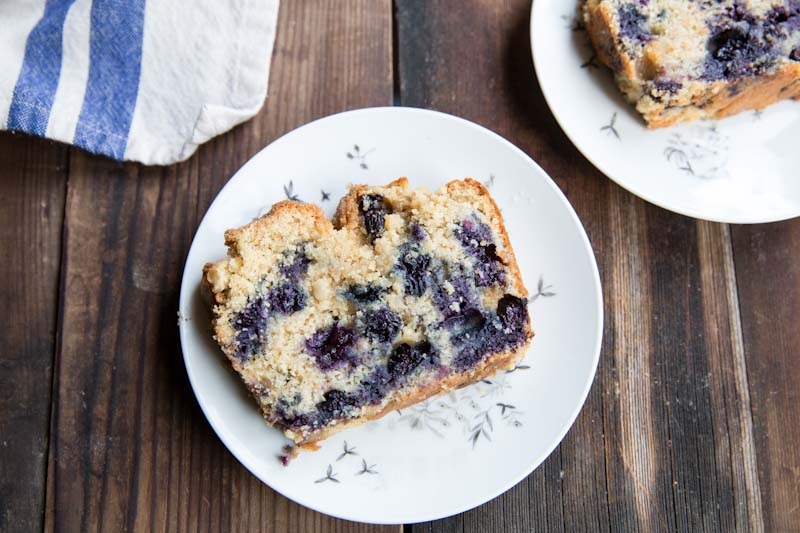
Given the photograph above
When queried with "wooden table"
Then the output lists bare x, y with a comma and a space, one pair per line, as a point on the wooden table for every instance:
693, 419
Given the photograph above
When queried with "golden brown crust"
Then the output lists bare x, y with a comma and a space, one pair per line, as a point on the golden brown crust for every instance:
603, 35
283, 208
206, 290
735, 97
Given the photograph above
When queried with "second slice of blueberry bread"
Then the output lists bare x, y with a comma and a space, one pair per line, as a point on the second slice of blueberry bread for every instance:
404, 295
681, 60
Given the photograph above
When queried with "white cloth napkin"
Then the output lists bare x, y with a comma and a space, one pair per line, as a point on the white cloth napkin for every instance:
141, 80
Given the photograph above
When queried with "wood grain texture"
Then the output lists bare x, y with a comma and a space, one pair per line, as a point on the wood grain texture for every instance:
665, 440
32, 186
768, 277
701, 319
129, 447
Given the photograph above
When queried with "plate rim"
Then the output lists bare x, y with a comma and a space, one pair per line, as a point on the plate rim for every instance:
189, 283
631, 188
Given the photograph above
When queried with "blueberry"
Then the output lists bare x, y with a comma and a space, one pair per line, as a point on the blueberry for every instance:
364, 294
488, 269
477, 240
731, 54
480, 334
729, 44
785, 18
417, 233
250, 324
381, 325
667, 85
466, 326
475, 334
795, 55
415, 266
513, 313
632, 22
740, 46
468, 357
373, 388
287, 298
297, 267
405, 359
373, 210
337, 404
739, 13
473, 235
794, 19
461, 295
281, 417
286, 402
280, 412
777, 16
332, 347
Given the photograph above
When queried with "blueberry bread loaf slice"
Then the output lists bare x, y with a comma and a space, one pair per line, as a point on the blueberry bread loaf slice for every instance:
404, 295
681, 60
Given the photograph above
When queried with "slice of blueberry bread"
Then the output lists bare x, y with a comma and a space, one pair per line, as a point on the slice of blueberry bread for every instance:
681, 60
404, 295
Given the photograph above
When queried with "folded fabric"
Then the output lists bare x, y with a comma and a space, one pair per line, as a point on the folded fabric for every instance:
141, 80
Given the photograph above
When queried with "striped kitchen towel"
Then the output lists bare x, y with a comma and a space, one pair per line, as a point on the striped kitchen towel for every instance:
140, 80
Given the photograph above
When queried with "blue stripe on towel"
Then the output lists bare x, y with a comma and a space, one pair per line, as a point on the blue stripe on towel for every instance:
115, 60
38, 79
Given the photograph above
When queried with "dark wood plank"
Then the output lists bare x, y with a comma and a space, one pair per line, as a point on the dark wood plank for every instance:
768, 277
665, 440
32, 187
130, 449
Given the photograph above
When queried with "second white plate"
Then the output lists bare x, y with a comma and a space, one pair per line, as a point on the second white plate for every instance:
744, 169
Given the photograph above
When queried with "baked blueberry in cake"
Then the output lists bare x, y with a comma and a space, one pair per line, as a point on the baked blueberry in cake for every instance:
681, 60
405, 294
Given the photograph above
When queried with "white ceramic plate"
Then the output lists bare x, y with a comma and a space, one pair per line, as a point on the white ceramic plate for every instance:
455, 452
743, 169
